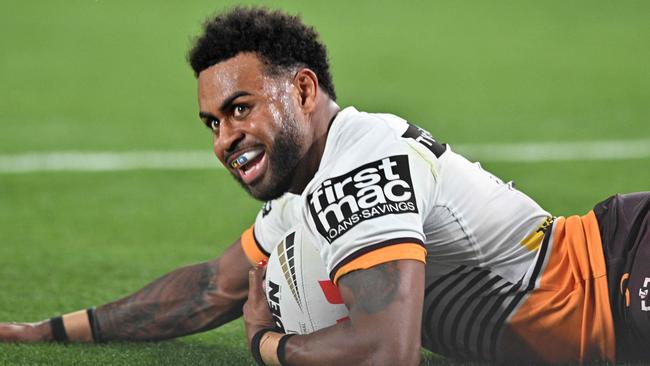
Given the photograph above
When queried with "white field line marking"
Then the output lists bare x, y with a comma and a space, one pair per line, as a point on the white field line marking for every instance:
185, 160
558, 151
107, 161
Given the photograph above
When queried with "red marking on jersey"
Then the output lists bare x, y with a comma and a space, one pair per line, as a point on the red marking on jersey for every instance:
343, 319
331, 292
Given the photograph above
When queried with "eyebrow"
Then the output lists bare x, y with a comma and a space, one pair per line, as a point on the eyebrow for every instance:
225, 105
208, 116
228, 102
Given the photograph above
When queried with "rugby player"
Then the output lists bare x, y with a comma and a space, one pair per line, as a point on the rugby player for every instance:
427, 248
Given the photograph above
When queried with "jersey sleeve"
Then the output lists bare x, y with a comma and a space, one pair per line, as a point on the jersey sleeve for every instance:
271, 223
369, 211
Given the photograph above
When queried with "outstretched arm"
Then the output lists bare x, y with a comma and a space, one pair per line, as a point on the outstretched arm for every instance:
385, 304
188, 300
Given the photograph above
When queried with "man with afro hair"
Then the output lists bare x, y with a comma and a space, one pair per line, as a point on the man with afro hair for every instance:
426, 248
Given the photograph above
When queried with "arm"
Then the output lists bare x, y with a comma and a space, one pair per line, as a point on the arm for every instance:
385, 304
188, 300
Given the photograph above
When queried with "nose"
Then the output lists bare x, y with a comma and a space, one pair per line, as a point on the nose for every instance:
228, 138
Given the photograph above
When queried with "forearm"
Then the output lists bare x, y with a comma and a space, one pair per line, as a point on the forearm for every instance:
385, 304
384, 325
186, 301
344, 344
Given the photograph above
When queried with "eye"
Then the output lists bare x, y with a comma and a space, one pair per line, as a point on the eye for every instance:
240, 111
213, 124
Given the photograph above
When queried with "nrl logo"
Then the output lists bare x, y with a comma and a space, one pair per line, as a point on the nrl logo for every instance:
266, 208
424, 137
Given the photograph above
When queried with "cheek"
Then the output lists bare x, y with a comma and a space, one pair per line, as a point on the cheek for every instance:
215, 148
265, 124
276, 115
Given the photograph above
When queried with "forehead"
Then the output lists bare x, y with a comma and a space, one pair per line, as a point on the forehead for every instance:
244, 72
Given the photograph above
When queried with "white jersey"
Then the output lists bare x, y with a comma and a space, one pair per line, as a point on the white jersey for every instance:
386, 190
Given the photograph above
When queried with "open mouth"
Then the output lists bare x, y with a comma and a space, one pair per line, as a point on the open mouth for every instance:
246, 158
249, 164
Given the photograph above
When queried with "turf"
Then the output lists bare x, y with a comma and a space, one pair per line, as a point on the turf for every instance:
100, 75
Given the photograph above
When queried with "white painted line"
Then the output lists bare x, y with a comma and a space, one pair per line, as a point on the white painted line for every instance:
107, 161
557, 151
204, 159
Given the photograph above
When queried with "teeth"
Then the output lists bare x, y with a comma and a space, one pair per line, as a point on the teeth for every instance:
245, 158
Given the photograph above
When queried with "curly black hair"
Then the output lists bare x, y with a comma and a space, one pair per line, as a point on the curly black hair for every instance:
282, 41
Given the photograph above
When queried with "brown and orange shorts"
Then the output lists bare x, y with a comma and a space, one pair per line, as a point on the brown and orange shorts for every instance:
624, 223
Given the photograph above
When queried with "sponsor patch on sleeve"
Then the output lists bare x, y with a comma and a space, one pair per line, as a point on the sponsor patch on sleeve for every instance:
372, 190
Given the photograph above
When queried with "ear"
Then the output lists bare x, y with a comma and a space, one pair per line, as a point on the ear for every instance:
306, 84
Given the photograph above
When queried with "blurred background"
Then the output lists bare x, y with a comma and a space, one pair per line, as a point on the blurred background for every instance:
97, 76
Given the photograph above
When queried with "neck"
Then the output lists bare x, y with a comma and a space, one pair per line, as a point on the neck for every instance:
319, 123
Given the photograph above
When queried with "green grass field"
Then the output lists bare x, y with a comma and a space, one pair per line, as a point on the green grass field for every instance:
98, 75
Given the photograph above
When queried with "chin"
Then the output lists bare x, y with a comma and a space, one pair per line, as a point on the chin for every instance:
273, 184
265, 191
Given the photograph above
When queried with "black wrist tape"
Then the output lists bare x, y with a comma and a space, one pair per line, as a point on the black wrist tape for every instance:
93, 325
58, 329
281, 346
255, 346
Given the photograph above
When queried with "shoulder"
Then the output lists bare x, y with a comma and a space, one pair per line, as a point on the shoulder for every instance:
279, 210
274, 219
358, 137
374, 131
366, 173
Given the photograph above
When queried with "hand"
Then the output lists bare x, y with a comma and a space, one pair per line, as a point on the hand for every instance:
25, 332
257, 314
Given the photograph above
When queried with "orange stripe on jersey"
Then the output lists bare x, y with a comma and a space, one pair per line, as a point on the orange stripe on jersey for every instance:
567, 317
624, 290
251, 248
382, 255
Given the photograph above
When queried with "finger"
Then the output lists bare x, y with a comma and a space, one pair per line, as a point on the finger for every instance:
255, 283
261, 265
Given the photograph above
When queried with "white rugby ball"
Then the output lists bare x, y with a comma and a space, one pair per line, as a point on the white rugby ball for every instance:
299, 292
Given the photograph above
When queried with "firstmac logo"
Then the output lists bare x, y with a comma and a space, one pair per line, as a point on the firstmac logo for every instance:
372, 190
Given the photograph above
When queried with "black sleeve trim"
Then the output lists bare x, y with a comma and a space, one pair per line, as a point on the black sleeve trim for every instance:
371, 248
